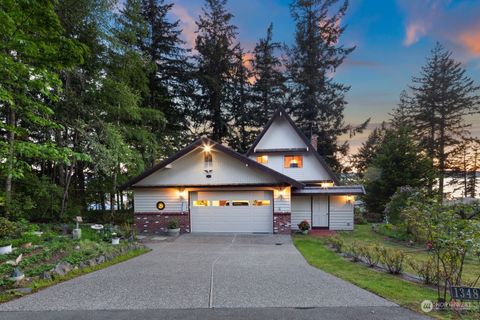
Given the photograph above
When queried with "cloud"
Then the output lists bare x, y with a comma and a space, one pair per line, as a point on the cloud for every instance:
471, 41
187, 23
444, 20
413, 33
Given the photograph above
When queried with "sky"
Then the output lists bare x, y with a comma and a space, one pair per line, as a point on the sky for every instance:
392, 40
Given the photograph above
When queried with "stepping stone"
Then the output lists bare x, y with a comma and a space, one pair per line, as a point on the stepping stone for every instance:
159, 238
141, 237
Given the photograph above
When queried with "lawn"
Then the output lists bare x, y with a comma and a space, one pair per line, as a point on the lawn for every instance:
391, 287
363, 234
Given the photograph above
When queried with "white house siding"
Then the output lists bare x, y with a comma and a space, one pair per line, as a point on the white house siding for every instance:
280, 135
146, 199
189, 170
301, 210
341, 213
311, 170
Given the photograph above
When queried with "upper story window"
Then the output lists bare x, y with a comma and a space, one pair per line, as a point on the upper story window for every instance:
262, 159
208, 159
293, 161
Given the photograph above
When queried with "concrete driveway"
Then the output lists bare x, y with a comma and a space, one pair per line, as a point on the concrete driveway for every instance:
205, 271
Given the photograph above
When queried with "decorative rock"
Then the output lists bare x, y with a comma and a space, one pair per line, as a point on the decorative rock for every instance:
46, 276
23, 290
77, 247
82, 265
100, 259
92, 262
62, 268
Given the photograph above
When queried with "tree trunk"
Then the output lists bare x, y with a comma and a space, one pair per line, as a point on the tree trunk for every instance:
66, 187
441, 155
10, 160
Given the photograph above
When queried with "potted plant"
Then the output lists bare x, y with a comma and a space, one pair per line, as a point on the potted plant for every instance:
304, 226
115, 238
173, 227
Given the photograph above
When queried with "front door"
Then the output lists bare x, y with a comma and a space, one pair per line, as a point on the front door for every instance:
320, 211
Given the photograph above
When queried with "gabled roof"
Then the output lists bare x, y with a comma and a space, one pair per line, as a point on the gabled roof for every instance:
219, 147
282, 113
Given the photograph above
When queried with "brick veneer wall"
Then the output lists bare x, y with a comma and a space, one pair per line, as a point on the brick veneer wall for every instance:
282, 222
156, 223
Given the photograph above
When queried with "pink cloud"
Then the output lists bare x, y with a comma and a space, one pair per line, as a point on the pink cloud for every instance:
187, 23
471, 41
414, 31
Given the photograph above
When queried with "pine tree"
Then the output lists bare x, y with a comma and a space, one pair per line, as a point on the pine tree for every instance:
443, 96
215, 60
169, 78
319, 101
269, 82
369, 149
400, 117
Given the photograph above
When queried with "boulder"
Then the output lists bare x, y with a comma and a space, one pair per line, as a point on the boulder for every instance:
92, 262
100, 259
46, 276
62, 268
82, 265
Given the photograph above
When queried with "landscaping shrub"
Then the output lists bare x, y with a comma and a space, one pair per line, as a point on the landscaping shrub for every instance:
358, 217
371, 254
354, 252
173, 224
8, 229
336, 243
398, 201
304, 225
373, 217
392, 259
426, 270
392, 231
99, 216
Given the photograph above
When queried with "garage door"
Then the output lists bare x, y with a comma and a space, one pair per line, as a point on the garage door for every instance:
231, 211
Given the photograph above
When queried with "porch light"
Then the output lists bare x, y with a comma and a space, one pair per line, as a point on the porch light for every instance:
207, 148
182, 193
326, 184
349, 199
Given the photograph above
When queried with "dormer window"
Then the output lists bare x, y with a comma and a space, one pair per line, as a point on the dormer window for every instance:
293, 161
262, 159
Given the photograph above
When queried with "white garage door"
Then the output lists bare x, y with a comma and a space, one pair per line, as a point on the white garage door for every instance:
231, 211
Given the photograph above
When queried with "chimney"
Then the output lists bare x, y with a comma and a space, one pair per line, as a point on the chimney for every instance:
314, 141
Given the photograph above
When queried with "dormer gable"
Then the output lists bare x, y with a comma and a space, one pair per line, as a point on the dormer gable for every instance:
282, 136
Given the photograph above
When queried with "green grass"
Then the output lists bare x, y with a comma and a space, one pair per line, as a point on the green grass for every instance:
41, 284
390, 287
363, 234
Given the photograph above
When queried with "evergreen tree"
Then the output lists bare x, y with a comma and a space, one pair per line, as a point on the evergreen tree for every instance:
169, 78
443, 96
369, 149
399, 162
243, 112
400, 117
215, 60
318, 101
269, 82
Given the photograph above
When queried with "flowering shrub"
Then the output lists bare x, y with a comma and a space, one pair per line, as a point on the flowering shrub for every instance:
392, 259
336, 243
304, 225
371, 254
426, 270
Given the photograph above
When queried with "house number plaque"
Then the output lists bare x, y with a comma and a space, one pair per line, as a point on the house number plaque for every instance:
465, 293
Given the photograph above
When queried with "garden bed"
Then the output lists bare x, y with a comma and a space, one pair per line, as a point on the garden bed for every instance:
54, 256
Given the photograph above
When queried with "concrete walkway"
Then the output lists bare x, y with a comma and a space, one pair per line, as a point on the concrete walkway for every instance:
206, 271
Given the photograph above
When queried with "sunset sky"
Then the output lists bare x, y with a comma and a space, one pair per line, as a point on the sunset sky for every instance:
392, 37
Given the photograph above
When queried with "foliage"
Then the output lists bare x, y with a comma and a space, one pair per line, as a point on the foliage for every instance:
358, 217
354, 251
304, 225
398, 202
392, 231
173, 223
337, 243
363, 159
392, 259
371, 254
426, 270
317, 100
8, 229
399, 163
450, 236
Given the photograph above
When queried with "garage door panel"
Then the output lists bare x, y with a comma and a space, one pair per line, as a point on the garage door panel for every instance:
231, 218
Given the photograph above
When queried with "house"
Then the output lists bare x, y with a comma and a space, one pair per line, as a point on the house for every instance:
208, 187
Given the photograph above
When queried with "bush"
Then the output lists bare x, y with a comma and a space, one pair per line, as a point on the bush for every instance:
8, 229
354, 252
373, 217
304, 225
173, 224
371, 255
426, 270
392, 259
389, 230
358, 217
336, 243
398, 202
